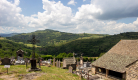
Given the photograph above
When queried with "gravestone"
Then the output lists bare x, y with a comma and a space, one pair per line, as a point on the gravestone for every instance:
20, 54
50, 61
70, 69
6, 61
81, 60
88, 64
26, 61
57, 63
54, 62
39, 59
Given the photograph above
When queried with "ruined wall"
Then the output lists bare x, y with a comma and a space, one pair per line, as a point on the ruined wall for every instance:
132, 72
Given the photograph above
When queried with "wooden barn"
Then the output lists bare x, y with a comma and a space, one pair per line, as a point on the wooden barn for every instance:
120, 62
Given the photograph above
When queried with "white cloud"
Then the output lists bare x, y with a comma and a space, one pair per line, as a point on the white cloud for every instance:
72, 2
10, 14
55, 15
84, 0
88, 18
136, 22
16, 2
116, 9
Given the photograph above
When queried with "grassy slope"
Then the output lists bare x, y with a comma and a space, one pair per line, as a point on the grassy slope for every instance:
52, 73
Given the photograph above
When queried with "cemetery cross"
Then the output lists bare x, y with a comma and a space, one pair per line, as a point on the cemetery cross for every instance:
33, 41
33, 61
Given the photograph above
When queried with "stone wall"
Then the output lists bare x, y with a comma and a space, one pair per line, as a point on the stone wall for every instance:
132, 71
93, 69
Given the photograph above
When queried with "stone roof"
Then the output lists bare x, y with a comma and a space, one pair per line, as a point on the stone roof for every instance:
119, 56
20, 50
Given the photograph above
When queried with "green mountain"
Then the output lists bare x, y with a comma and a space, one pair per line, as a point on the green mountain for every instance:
51, 37
89, 47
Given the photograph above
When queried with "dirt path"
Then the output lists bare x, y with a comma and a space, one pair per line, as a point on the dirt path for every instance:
29, 76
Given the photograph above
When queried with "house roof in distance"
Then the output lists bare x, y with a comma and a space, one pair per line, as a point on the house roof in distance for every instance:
119, 56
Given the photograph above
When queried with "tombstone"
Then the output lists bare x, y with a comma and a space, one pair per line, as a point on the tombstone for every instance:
64, 63
78, 63
81, 60
70, 69
20, 54
6, 61
49, 60
57, 63
54, 62
26, 61
87, 64
39, 59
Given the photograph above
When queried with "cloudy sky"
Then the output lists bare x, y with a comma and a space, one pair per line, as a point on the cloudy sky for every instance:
75, 16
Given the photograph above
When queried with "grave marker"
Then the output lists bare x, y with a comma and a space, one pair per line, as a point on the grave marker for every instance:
70, 69
57, 63
6, 61
54, 61
33, 60
20, 54
7, 66
81, 60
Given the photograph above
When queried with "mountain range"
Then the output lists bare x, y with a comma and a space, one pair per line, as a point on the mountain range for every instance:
55, 42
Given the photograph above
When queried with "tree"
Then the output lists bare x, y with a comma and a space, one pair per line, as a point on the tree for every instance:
70, 55
101, 54
0, 46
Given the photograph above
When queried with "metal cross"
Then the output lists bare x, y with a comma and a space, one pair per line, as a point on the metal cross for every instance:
33, 42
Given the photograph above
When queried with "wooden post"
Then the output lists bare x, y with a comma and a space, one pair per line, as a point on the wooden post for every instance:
88, 75
7, 70
26, 65
81, 74
107, 72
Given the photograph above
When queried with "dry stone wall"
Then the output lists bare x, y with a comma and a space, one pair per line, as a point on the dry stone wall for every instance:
132, 72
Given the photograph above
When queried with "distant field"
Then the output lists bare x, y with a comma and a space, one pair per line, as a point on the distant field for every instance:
30, 45
1, 38
51, 73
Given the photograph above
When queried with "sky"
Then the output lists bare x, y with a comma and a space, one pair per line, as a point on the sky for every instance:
74, 16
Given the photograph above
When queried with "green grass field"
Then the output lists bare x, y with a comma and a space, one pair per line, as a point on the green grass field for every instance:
52, 73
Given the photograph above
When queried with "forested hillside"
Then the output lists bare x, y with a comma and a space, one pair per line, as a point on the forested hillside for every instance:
52, 37
90, 47
9, 48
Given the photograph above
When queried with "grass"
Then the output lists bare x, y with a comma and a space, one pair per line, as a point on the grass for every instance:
52, 73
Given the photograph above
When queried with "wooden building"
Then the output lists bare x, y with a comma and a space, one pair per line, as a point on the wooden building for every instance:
119, 62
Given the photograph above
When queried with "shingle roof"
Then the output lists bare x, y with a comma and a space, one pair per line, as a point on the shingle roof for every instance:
118, 57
